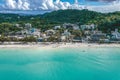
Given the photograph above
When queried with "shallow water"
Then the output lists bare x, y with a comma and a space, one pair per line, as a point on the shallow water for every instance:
60, 64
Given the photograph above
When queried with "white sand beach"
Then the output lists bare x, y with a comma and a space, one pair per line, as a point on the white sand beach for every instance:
59, 45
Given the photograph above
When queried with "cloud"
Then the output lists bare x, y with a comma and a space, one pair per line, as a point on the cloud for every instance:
35, 4
58, 4
16, 5
105, 8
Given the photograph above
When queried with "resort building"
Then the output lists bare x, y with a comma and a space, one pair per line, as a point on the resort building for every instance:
65, 36
57, 27
50, 32
35, 32
88, 27
98, 36
28, 26
71, 33
16, 36
115, 35
71, 26
17, 25
76, 39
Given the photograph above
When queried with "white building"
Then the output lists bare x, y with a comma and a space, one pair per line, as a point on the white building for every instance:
35, 32
71, 26
28, 26
65, 36
98, 35
16, 36
92, 27
17, 25
50, 32
31, 32
116, 35
57, 27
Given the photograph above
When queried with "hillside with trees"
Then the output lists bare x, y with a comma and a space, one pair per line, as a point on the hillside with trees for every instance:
105, 21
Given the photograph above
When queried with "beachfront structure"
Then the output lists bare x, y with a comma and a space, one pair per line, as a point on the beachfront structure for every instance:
43, 37
68, 32
75, 27
32, 31
65, 36
17, 25
76, 39
57, 27
50, 32
16, 36
71, 26
28, 26
88, 38
25, 33
115, 35
87, 32
40, 39
88, 27
35, 32
98, 36
67, 25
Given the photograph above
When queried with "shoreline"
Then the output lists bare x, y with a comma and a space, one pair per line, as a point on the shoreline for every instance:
61, 45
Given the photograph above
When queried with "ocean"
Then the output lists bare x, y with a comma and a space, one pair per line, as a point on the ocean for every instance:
60, 64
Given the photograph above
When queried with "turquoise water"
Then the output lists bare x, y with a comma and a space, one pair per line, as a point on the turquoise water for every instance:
60, 64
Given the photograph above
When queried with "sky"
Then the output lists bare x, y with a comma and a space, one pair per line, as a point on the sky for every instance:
43, 5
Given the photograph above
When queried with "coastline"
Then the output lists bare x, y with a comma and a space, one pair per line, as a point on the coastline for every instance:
60, 45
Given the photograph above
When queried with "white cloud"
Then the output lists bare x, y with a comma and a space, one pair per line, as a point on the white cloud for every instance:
11, 4
16, 5
55, 5
35, 4
106, 8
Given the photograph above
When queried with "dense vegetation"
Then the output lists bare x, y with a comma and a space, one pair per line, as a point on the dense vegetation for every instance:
105, 21
72, 16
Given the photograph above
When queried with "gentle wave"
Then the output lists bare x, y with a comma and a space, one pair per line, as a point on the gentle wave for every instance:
60, 64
